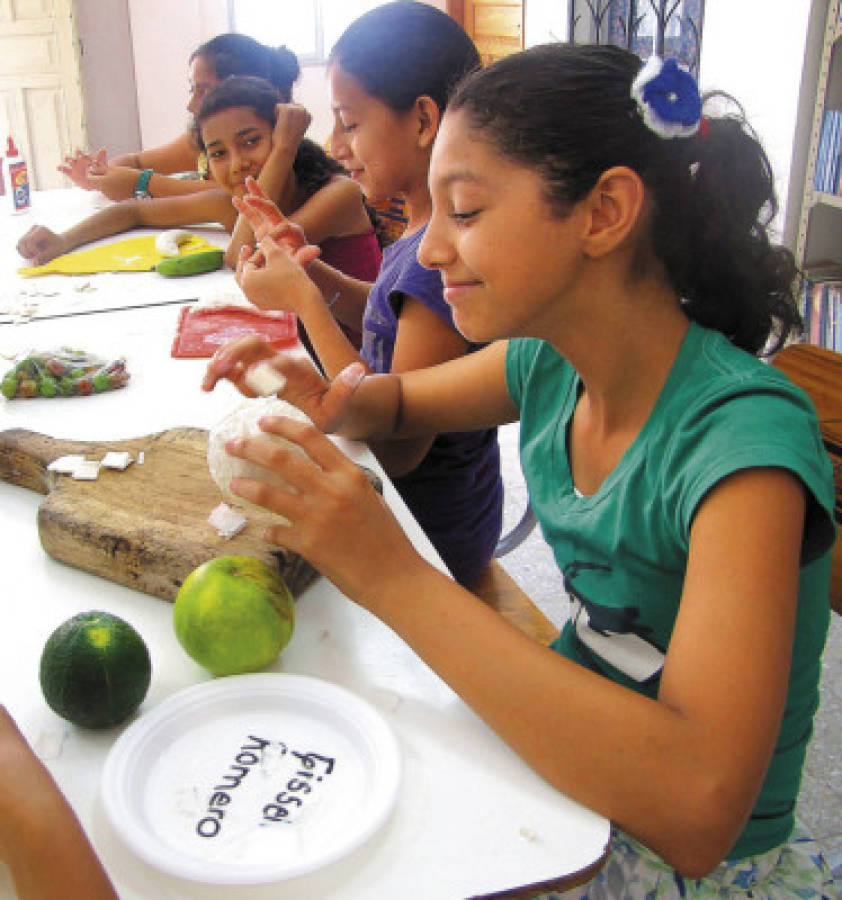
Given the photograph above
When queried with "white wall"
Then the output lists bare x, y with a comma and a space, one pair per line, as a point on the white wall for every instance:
164, 34
108, 74
546, 20
757, 56
311, 91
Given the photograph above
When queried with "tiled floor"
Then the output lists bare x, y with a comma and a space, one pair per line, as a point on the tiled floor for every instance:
820, 803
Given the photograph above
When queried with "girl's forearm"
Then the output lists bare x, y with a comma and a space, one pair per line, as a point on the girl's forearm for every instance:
41, 839
375, 414
167, 186
542, 705
112, 220
277, 179
60, 862
332, 347
179, 155
347, 296
132, 160
373, 410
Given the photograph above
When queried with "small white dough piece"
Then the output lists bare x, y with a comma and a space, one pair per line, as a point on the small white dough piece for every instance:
218, 298
226, 521
265, 380
242, 422
116, 460
168, 242
87, 470
66, 465
141, 458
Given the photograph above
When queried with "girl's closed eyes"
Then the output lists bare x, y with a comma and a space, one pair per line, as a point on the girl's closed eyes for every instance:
463, 218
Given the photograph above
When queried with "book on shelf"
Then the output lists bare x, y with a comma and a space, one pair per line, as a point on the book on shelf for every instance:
826, 178
821, 312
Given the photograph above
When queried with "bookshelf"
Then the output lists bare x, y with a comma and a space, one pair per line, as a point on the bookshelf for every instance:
814, 228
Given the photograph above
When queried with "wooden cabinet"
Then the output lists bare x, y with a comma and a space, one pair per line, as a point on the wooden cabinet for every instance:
496, 26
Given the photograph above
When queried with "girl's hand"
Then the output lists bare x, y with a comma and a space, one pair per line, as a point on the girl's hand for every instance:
291, 123
274, 278
39, 245
266, 220
338, 521
116, 182
324, 402
234, 359
79, 167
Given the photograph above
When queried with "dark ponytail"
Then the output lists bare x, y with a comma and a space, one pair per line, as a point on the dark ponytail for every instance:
238, 54
714, 236
566, 112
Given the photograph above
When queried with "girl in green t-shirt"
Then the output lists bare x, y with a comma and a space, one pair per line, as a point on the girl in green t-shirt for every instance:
611, 242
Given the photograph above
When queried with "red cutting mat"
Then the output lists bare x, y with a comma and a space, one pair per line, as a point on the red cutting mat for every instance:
202, 332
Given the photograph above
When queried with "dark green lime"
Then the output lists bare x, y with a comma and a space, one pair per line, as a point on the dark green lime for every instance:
95, 670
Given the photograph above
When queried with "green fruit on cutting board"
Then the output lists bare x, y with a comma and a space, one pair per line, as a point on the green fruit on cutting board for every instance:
95, 670
234, 614
191, 263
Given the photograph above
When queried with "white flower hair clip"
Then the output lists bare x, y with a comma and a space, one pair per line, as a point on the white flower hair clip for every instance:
668, 98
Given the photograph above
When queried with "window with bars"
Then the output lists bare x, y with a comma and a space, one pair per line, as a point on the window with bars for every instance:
307, 27
667, 28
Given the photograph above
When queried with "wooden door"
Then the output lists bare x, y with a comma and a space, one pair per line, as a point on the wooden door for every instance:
41, 103
496, 26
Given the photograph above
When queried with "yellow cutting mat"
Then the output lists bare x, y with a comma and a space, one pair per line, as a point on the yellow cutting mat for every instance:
136, 254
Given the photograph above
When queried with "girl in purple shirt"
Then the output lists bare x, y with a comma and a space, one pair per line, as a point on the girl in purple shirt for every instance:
391, 73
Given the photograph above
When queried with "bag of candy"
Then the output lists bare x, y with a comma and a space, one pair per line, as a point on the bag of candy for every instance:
63, 373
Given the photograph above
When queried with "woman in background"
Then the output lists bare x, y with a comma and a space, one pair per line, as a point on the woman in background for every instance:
219, 58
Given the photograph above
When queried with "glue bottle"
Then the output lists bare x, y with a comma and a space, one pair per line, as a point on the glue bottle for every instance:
15, 179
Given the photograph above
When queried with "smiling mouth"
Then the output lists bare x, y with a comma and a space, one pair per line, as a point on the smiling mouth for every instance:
455, 290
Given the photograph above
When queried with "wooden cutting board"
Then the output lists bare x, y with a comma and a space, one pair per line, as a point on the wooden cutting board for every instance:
144, 527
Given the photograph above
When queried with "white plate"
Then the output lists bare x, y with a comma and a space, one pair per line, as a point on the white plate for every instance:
251, 779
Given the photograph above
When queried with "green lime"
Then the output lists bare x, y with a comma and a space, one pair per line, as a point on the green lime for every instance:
47, 386
66, 386
9, 386
95, 669
234, 614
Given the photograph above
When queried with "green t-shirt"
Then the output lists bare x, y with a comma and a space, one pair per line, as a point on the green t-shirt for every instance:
623, 550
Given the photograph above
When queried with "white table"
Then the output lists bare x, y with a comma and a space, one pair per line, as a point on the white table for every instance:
470, 818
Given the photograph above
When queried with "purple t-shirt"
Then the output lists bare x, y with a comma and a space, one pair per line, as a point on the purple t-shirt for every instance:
455, 493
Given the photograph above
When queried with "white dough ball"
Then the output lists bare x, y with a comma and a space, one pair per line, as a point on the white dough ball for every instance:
242, 422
